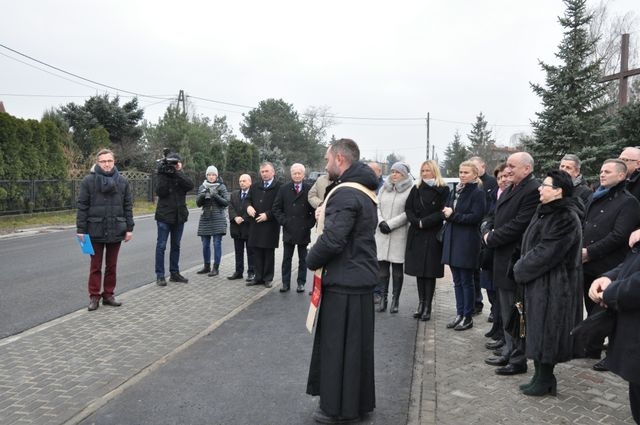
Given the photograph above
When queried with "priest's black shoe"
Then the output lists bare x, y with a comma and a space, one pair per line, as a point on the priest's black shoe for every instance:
493, 345
511, 369
496, 361
111, 301
600, 366
177, 277
322, 418
235, 276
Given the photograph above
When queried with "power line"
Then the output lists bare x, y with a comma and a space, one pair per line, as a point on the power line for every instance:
75, 75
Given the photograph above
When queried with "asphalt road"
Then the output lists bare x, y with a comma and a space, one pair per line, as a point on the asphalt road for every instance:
44, 276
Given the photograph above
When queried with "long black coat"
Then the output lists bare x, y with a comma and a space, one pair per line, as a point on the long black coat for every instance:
267, 233
172, 192
105, 215
238, 208
550, 267
423, 256
507, 224
623, 295
294, 213
608, 223
461, 241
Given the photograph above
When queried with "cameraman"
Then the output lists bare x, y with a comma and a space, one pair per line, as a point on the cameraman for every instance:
171, 214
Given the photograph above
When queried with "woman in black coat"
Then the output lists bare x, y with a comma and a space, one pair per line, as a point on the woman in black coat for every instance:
424, 253
461, 241
105, 213
550, 267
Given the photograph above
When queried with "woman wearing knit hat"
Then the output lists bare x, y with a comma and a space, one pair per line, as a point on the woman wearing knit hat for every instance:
213, 198
391, 235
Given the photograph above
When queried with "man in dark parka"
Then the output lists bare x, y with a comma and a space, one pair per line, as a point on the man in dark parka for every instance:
342, 367
504, 230
264, 233
297, 217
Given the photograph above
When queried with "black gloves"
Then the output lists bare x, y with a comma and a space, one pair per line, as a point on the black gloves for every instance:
384, 228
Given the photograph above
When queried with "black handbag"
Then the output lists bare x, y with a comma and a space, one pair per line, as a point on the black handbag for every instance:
440, 234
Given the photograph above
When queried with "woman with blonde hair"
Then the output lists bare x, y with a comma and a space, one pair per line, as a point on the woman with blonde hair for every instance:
461, 242
423, 251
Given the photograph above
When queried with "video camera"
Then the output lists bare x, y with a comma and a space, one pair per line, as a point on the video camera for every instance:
166, 165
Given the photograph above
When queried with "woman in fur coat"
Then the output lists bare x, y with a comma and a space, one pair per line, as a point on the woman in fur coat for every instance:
550, 267
391, 235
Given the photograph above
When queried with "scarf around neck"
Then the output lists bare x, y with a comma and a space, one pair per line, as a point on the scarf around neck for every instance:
107, 181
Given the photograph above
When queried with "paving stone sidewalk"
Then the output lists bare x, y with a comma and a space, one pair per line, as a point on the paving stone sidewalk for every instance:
60, 372
452, 384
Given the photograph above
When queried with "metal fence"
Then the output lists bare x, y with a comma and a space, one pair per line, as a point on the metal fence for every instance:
28, 196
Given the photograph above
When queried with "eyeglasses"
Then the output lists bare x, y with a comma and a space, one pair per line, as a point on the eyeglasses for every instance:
548, 185
106, 161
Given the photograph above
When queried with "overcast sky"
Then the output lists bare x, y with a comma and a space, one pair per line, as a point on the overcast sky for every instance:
368, 59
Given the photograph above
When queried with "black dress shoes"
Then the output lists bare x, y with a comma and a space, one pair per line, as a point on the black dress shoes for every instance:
250, 276
268, 284
496, 361
235, 276
161, 281
490, 318
111, 301
94, 303
600, 366
253, 282
493, 345
177, 277
283, 289
454, 322
467, 323
511, 369
300, 288
322, 418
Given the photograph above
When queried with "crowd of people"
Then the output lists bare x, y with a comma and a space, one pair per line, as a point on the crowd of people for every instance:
544, 251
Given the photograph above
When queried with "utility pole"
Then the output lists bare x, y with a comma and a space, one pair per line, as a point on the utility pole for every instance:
181, 99
625, 72
427, 120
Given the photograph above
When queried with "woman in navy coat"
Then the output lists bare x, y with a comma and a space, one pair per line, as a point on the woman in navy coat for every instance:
461, 241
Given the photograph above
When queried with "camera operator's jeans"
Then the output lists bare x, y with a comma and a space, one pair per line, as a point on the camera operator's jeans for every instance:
164, 230
217, 248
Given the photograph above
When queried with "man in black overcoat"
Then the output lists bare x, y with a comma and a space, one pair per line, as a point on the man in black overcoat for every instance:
612, 214
631, 157
503, 233
619, 290
571, 164
342, 362
297, 217
264, 233
239, 227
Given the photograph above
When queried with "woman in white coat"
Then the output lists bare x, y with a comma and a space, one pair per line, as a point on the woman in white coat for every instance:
391, 235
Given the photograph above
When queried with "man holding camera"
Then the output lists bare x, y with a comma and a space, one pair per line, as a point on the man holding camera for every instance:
171, 214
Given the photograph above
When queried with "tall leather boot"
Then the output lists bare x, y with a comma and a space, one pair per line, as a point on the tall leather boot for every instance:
205, 269
429, 291
545, 384
397, 288
214, 270
420, 308
384, 291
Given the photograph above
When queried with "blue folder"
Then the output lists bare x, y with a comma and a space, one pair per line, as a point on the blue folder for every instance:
86, 247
